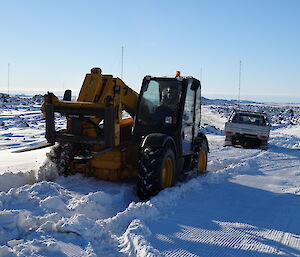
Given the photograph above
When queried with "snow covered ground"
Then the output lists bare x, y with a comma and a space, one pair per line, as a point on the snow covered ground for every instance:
247, 205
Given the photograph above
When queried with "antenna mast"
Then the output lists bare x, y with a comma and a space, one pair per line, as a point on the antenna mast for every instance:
240, 72
122, 61
201, 73
8, 66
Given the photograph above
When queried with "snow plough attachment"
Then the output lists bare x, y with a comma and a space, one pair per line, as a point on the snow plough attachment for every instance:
113, 133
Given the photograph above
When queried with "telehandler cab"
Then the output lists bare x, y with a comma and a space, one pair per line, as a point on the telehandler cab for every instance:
113, 133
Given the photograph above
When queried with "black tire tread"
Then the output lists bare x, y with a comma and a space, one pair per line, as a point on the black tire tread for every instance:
61, 155
202, 145
149, 169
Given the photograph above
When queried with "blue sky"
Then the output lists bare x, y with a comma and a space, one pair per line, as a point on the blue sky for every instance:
50, 45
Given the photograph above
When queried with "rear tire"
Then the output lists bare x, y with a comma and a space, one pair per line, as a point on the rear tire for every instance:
200, 158
156, 171
264, 145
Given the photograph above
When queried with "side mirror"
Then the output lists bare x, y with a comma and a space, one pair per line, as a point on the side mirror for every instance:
67, 95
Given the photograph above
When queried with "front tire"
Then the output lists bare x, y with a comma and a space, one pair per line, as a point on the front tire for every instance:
228, 141
61, 156
156, 171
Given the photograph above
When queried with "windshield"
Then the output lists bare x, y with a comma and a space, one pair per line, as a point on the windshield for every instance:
249, 119
159, 102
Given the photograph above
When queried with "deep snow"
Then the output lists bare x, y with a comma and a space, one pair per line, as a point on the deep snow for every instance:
247, 205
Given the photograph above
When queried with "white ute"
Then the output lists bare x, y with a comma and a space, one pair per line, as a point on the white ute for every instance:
247, 128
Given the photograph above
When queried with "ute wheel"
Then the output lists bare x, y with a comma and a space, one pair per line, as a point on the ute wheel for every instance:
156, 171
201, 158
61, 156
228, 141
264, 145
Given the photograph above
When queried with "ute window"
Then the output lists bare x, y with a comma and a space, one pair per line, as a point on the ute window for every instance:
159, 99
249, 119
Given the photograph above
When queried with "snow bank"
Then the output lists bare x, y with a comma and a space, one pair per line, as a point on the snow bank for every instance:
9, 180
18, 169
33, 211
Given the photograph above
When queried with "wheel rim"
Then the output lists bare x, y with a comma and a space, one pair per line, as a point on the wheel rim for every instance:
202, 162
167, 173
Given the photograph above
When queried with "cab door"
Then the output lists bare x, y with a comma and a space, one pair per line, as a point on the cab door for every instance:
188, 120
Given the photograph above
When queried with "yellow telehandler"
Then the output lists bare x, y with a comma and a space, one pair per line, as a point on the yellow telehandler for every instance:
114, 133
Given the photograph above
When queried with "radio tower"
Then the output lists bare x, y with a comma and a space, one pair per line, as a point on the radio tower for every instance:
240, 72
8, 66
122, 60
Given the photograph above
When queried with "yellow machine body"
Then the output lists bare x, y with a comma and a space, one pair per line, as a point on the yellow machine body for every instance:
97, 93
